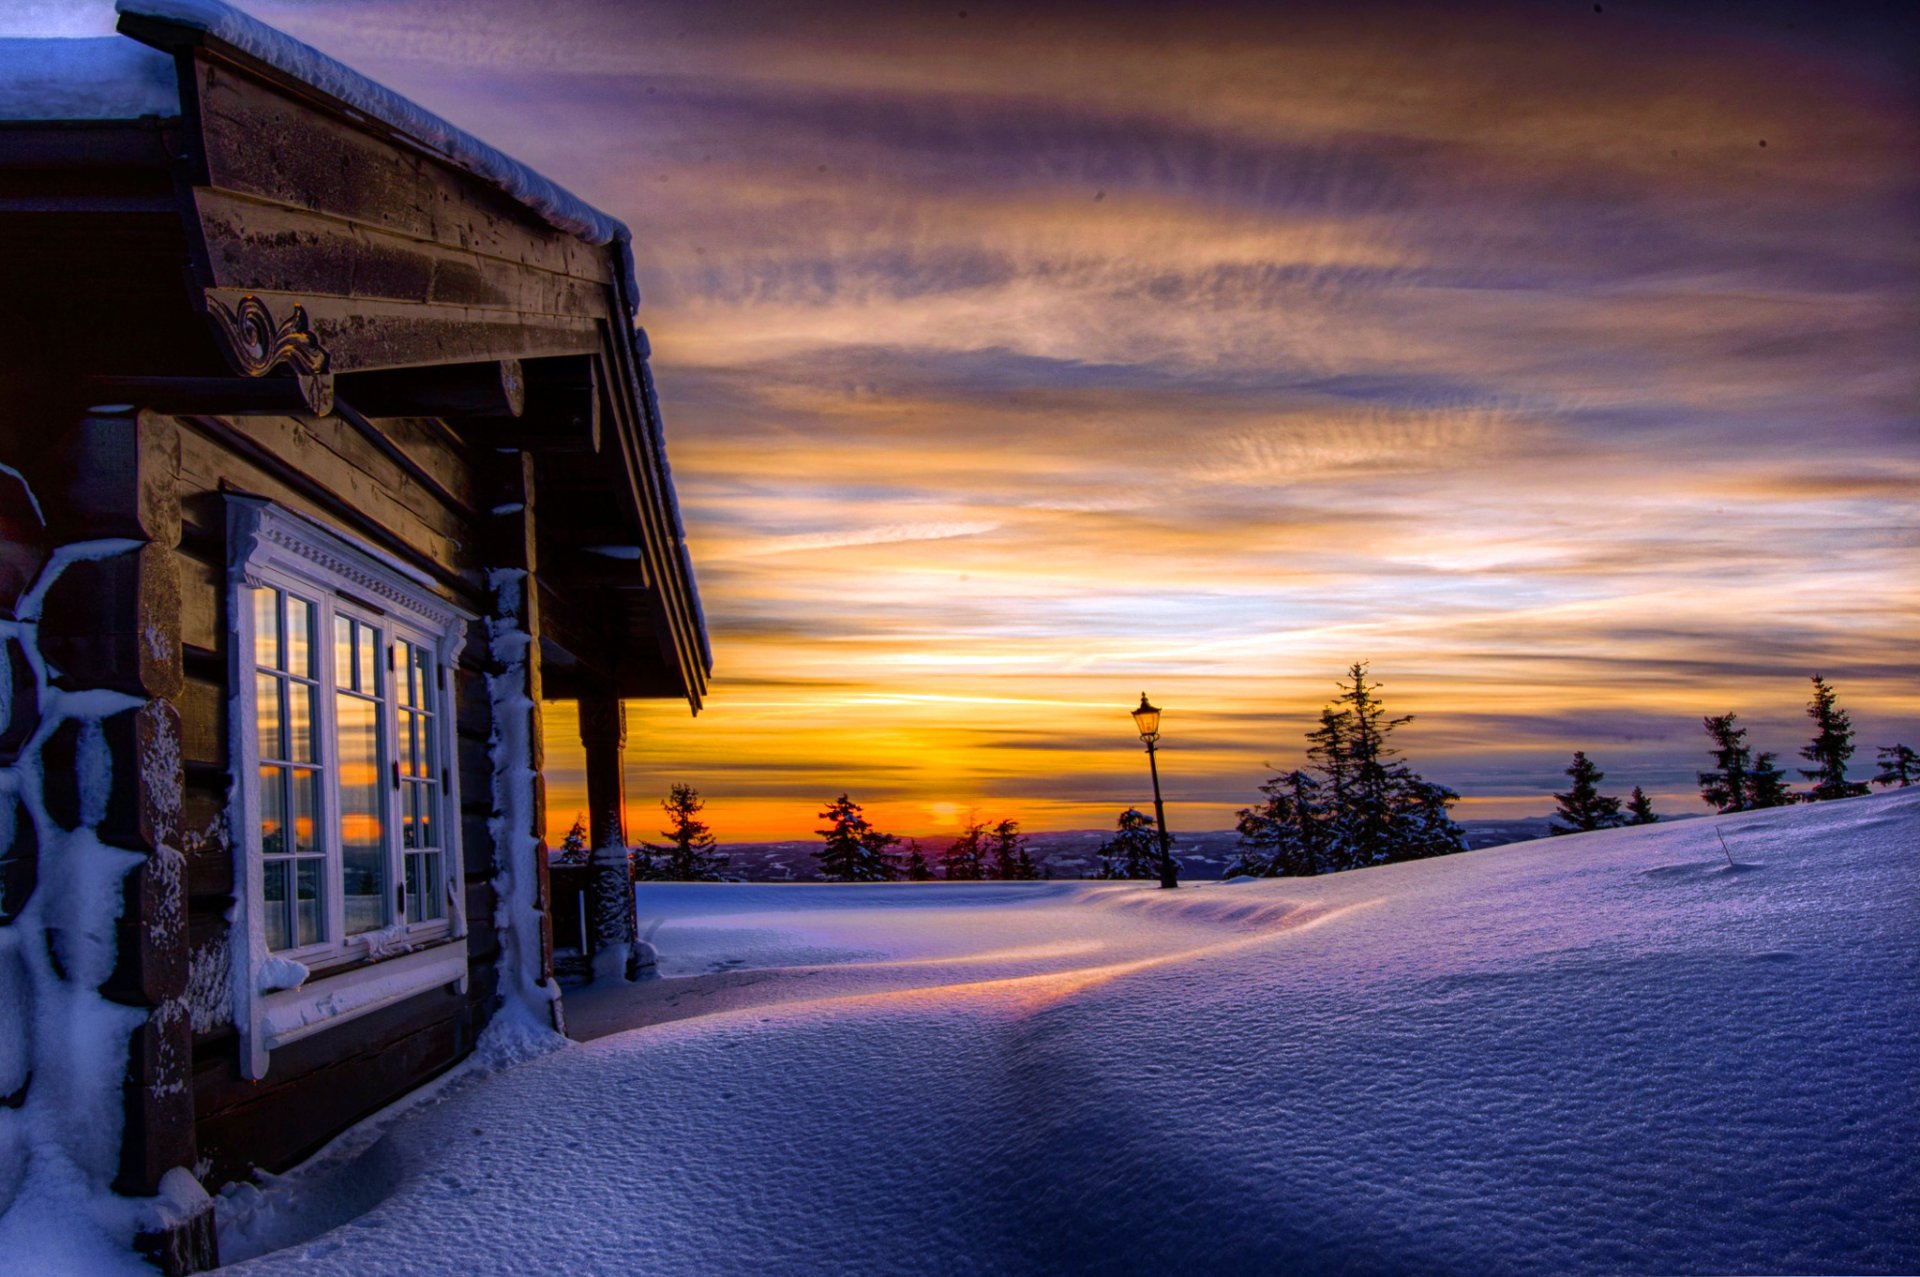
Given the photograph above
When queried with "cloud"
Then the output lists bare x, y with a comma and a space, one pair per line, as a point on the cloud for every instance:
1016, 363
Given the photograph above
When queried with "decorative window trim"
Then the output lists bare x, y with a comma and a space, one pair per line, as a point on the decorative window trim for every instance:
269, 545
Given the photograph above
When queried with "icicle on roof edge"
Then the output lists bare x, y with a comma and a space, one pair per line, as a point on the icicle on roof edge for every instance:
559, 207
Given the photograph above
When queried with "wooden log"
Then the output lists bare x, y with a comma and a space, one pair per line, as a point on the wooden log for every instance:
213, 396
493, 388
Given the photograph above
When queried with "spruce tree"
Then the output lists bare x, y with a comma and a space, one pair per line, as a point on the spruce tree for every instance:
1899, 766
917, 868
573, 848
1728, 786
1327, 752
1583, 807
1423, 819
1364, 807
1770, 786
687, 855
963, 859
1831, 747
855, 851
1134, 849
1007, 850
1640, 809
1285, 836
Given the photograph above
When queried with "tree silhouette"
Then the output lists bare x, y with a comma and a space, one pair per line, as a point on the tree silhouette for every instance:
1830, 748
1738, 780
963, 860
1899, 766
687, 854
1285, 836
855, 851
1583, 807
1134, 849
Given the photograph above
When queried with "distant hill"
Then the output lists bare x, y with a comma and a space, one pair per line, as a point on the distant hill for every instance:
1074, 853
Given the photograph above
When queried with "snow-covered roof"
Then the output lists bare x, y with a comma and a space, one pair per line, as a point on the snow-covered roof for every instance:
559, 207
102, 78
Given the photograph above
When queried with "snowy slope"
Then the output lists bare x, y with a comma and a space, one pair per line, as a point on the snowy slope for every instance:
1610, 1053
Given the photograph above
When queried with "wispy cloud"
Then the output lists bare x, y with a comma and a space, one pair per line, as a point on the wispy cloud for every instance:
1019, 361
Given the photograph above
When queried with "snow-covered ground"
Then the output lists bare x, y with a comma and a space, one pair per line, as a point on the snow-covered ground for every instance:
1601, 1054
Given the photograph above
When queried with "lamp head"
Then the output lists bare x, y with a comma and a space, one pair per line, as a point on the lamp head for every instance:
1147, 719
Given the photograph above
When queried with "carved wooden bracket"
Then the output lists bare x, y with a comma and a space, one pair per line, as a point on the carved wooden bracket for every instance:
257, 344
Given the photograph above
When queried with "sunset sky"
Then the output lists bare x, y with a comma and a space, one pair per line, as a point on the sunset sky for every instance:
1557, 358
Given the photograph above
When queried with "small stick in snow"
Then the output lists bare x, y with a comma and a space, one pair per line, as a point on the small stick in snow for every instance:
1723, 847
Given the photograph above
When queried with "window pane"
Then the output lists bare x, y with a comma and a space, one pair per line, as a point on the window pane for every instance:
273, 893
342, 652
273, 813
306, 812
266, 628
415, 897
300, 720
427, 838
363, 853
300, 619
266, 702
426, 887
369, 653
424, 675
404, 682
309, 908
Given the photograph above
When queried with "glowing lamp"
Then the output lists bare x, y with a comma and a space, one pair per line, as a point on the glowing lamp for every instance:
1147, 719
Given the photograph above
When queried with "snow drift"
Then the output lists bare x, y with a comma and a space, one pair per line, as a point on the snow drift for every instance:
1607, 1053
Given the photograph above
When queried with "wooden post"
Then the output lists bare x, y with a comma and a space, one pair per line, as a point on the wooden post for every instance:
603, 730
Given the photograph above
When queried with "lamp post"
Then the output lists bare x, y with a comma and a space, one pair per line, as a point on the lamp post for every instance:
1147, 720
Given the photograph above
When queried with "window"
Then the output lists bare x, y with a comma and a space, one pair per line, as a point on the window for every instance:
345, 798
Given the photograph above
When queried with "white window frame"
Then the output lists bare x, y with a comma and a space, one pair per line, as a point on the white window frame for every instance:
272, 547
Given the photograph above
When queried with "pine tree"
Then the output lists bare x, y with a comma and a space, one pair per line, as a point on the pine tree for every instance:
1770, 784
1327, 752
1831, 747
918, 870
1380, 810
1583, 807
687, 855
1008, 848
1899, 766
855, 850
573, 848
1640, 809
1729, 785
1365, 806
963, 859
1134, 850
1424, 820
1287, 835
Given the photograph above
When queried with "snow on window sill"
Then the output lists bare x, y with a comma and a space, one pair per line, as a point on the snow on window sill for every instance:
326, 1001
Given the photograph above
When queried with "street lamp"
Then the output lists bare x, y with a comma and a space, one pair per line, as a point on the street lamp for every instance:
1147, 719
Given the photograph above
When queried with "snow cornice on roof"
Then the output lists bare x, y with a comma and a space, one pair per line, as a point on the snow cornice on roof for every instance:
558, 207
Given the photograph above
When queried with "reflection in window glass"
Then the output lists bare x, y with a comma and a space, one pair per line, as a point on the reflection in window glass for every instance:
363, 853
284, 725
274, 896
300, 622
266, 629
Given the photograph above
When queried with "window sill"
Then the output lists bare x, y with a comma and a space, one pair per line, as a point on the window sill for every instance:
325, 1001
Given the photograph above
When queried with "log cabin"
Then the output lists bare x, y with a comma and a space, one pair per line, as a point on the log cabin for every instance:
329, 452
